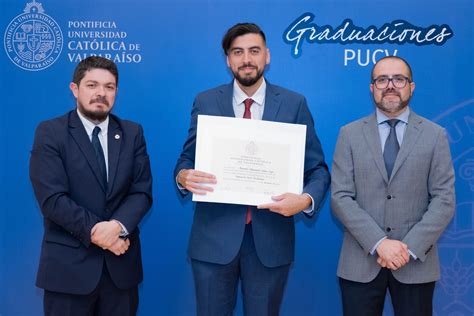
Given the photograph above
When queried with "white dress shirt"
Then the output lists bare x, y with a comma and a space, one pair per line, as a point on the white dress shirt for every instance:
258, 104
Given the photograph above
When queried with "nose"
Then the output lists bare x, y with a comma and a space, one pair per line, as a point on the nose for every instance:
390, 82
100, 90
246, 57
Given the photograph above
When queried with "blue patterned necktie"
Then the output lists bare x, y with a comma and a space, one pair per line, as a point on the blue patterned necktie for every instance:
391, 148
99, 153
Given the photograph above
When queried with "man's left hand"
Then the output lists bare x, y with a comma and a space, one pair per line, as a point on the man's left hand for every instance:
288, 204
394, 265
120, 247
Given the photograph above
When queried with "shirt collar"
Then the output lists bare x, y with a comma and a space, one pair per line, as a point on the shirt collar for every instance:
89, 126
402, 117
258, 97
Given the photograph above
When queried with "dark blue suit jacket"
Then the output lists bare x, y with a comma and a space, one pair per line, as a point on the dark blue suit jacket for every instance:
218, 229
66, 180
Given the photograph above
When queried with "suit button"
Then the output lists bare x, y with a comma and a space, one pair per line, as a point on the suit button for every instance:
388, 229
389, 197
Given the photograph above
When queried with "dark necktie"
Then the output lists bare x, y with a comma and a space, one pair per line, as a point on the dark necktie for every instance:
248, 115
99, 153
391, 148
248, 103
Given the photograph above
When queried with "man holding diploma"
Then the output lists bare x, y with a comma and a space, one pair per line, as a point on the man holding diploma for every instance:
229, 242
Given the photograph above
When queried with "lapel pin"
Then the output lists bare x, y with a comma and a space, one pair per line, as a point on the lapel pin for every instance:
117, 136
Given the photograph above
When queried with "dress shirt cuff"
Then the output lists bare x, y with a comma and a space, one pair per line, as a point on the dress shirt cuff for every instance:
372, 251
310, 209
412, 254
181, 188
124, 231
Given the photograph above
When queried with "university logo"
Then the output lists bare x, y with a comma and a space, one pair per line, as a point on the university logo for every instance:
33, 40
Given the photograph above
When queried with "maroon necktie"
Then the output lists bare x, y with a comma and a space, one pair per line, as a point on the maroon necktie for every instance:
247, 115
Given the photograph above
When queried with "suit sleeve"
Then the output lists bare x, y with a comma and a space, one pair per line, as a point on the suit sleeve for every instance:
425, 233
139, 196
316, 174
343, 197
50, 184
188, 153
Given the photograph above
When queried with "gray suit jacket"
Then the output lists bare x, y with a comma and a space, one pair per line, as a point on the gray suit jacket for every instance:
415, 205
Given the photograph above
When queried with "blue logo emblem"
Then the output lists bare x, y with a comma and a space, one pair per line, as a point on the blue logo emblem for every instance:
33, 40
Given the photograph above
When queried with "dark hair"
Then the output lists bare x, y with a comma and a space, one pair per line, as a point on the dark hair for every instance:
94, 62
238, 30
410, 74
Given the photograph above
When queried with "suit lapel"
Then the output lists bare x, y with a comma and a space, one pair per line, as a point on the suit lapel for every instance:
410, 137
371, 134
79, 134
224, 100
114, 141
272, 103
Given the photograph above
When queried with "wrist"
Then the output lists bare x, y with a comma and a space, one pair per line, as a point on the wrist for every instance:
118, 227
306, 198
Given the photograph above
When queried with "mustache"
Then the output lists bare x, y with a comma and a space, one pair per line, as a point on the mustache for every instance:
100, 99
247, 65
391, 91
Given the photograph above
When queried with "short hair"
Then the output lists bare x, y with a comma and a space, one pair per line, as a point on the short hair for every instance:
238, 30
94, 62
410, 74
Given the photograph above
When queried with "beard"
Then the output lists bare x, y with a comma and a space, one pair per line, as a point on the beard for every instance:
248, 81
392, 106
97, 115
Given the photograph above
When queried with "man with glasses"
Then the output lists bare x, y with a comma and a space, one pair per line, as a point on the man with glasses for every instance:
393, 190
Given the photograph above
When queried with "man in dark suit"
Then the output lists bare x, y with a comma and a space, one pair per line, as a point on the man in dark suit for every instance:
231, 242
393, 190
91, 176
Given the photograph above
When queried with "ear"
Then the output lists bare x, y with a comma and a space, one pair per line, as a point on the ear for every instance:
74, 89
268, 56
412, 87
372, 88
227, 60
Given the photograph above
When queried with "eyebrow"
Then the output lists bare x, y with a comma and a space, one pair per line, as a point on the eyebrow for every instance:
241, 48
391, 76
95, 81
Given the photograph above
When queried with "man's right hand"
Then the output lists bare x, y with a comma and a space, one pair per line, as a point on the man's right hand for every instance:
195, 181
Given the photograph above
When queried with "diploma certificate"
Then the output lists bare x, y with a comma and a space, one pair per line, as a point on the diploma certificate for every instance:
251, 159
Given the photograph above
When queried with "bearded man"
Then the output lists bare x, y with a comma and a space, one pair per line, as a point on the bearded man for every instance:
91, 175
229, 242
393, 190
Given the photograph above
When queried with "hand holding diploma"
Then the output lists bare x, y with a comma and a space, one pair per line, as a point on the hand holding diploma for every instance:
195, 181
288, 204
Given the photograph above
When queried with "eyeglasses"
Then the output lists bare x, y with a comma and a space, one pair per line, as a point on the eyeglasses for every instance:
398, 81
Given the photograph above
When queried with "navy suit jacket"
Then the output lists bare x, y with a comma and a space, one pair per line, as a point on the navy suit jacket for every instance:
218, 229
67, 183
